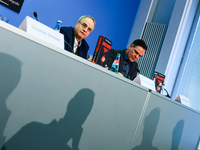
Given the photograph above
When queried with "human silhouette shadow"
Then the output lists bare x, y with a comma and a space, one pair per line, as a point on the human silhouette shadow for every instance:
56, 134
177, 134
10, 74
150, 125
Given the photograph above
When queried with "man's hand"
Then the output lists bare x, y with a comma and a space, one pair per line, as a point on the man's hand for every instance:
106, 67
119, 73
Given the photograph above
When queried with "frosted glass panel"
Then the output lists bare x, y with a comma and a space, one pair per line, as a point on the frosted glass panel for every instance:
190, 83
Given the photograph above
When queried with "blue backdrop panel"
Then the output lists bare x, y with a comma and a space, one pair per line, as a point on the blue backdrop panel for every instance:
114, 18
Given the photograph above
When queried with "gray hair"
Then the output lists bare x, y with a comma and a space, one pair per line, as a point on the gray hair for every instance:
87, 16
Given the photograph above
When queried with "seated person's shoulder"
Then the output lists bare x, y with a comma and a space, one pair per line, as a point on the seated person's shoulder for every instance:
67, 30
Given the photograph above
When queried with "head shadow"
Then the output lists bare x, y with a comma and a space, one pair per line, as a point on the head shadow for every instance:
56, 134
10, 74
177, 134
150, 126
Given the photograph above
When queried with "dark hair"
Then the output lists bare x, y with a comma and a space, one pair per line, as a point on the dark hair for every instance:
140, 42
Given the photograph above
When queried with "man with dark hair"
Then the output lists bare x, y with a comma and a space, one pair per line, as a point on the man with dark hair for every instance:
127, 65
74, 38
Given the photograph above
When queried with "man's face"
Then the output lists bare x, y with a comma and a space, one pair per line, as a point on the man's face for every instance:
134, 52
83, 28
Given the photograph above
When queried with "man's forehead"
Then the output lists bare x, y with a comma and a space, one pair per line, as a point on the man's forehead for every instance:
88, 21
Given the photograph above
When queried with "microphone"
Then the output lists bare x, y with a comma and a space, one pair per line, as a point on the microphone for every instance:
35, 15
69, 46
167, 93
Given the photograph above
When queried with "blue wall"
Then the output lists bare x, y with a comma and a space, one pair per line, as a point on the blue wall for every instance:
114, 19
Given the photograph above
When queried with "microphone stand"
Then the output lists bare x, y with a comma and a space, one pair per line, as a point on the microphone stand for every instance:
167, 93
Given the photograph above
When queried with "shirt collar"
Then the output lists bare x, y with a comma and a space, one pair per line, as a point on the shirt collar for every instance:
76, 42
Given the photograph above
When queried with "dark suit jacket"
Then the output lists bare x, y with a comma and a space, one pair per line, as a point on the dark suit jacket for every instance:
133, 67
68, 33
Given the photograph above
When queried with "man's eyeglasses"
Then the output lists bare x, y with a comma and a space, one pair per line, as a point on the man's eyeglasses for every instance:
85, 26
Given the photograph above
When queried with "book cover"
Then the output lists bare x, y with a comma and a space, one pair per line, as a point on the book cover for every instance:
159, 81
101, 51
